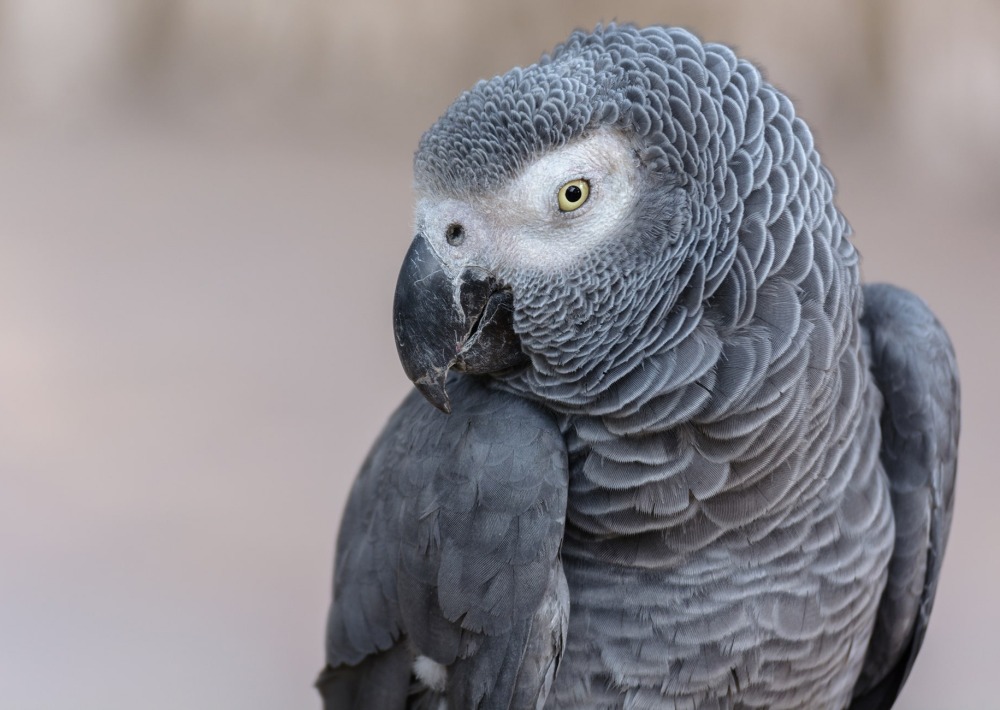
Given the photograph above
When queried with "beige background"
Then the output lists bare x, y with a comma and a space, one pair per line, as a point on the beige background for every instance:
203, 205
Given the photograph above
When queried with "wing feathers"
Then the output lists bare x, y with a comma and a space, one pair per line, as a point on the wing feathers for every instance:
915, 369
448, 549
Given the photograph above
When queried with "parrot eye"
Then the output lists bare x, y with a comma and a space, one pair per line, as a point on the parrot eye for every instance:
573, 194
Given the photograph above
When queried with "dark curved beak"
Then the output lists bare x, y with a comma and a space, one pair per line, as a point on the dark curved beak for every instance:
440, 322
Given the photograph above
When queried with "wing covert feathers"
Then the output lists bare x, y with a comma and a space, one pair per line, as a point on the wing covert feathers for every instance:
449, 548
914, 365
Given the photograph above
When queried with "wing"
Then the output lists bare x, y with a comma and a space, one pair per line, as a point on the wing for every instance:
449, 549
914, 367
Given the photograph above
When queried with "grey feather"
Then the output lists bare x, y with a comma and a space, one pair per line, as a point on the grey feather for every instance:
914, 366
449, 549
710, 439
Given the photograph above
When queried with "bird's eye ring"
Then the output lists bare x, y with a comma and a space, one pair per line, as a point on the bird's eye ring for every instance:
573, 194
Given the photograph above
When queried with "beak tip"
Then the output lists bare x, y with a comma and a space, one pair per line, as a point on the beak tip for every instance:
434, 391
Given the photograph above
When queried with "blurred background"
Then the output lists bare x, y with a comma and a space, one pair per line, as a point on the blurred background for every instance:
203, 206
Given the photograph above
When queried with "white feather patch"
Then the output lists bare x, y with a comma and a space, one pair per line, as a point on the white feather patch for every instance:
430, 673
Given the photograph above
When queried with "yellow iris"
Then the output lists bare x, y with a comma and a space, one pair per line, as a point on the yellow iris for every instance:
573, 194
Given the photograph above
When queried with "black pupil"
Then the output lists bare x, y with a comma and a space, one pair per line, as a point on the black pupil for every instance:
573, 193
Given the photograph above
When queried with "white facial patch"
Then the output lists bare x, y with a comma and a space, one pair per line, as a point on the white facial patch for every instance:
520, 224
545, 234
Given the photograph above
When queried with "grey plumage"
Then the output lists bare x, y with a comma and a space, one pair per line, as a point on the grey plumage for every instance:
915, 368
720, 445
448, 549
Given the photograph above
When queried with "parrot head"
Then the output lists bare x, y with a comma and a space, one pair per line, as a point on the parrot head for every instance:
577, 215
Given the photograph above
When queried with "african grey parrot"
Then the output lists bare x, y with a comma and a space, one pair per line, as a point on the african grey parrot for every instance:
689, 462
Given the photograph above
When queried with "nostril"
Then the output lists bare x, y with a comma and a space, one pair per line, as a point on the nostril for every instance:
455, 234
